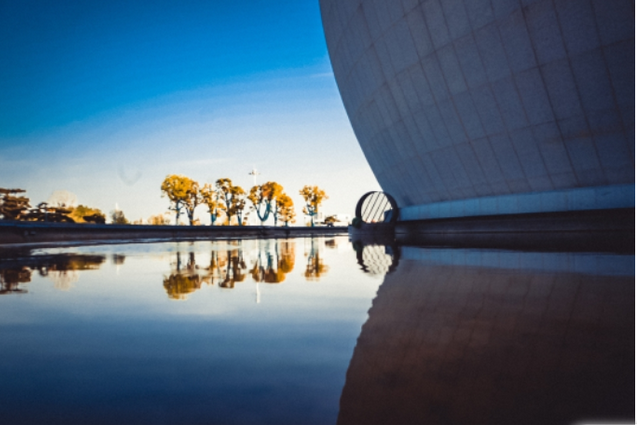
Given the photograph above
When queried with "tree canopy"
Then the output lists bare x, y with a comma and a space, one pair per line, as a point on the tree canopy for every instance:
183, 193
17, 207
238, 205
193, 198
313, 197
12, 205
118, 217
285, 210
263, 198
84, 214
233, 198
44, 212
226, 198
158, 220
211, 198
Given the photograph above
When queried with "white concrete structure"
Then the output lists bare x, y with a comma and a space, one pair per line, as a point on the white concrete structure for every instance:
478, 107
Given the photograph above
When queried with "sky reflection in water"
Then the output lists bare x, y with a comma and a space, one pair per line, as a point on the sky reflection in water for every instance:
269, 331
229, 331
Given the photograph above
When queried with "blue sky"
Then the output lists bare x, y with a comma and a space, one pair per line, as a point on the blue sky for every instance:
104, 99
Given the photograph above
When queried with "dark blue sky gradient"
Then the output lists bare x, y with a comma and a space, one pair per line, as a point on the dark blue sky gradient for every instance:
65, 61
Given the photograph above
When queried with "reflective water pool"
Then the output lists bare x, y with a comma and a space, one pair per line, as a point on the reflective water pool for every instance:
314, 331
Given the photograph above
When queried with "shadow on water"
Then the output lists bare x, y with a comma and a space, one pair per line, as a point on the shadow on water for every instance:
474, 336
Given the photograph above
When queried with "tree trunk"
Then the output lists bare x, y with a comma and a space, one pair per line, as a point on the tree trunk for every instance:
265, 215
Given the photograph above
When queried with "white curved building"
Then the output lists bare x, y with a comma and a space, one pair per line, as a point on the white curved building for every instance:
488, 107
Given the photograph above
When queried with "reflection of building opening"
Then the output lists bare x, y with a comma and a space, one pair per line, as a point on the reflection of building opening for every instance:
377, 259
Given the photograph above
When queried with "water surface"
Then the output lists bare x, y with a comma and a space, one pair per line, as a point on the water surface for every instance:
314, 331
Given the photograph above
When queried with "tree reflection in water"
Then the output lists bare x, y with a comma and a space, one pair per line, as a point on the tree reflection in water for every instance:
226, 267
10, 280
62, 269
118, 259
271, 263
181, 282
315, 267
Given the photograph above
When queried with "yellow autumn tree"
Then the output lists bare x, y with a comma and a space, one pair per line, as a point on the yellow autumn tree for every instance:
158, 220
263, 197
193, 199
284, 210
44, 212
212, 199
84, 214
234, 199
313, 197
183, 193
238, 204
118, 217
12, 205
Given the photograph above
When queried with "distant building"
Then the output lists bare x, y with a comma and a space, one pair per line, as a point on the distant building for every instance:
342, 219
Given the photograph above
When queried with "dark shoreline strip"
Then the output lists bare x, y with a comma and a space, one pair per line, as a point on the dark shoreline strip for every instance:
20, 233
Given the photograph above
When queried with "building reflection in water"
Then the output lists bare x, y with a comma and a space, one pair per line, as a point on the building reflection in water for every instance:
474, 336
377, 259
62, 269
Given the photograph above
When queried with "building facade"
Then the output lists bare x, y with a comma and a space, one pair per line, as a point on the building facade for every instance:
489, 107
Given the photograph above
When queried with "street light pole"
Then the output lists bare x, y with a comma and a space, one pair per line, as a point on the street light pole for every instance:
254, 173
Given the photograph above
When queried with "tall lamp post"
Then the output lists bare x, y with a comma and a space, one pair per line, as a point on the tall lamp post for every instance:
254, 173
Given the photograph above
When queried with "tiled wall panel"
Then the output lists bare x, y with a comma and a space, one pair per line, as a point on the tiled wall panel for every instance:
458, 100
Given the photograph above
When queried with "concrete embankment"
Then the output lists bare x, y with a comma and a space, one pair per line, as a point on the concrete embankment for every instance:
20, 233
